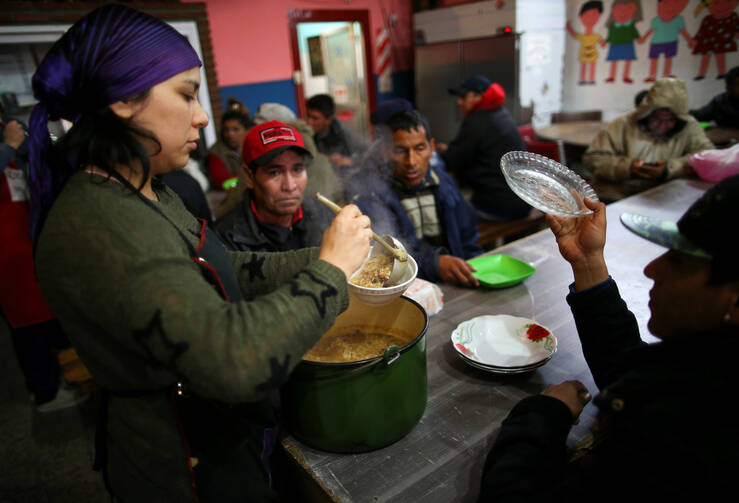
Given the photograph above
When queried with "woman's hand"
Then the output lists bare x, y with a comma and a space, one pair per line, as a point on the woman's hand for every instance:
581, 241
573, 394
13, 134
346, 242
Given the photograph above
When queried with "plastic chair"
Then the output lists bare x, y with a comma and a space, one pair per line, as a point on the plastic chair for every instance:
551, 149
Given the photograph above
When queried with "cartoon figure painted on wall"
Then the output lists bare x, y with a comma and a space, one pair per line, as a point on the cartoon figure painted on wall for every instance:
622, 33
716, 35
587, 56
666, 27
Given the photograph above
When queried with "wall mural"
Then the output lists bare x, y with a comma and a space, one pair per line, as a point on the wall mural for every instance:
716, 36
588, 54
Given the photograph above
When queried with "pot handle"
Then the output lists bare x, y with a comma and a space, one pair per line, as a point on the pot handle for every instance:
392, 353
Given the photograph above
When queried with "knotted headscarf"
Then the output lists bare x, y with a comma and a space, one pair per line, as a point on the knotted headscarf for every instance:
112, 53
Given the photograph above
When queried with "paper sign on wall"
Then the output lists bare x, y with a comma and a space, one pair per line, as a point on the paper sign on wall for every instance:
538, 50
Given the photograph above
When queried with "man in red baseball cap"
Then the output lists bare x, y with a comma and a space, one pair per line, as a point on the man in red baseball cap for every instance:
273, 216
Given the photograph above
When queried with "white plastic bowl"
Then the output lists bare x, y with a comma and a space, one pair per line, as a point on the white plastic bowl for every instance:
382, 296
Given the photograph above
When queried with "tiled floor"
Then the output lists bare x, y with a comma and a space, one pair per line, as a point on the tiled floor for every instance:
43, 457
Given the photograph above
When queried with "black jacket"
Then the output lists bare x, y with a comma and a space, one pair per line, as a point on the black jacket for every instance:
474, 159
722, 109
241, 230
667, 433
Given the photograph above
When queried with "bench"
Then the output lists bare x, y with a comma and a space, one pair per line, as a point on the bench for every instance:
494, 233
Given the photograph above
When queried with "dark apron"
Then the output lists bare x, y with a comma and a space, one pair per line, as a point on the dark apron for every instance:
231, 442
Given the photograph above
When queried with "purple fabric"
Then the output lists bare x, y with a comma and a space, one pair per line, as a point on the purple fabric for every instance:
112, 53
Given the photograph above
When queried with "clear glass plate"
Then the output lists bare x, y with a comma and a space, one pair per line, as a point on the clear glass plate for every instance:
545, 184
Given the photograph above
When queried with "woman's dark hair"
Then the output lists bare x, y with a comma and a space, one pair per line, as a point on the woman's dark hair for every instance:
104, 140
114, 53
235, 110
233, 115
592, 4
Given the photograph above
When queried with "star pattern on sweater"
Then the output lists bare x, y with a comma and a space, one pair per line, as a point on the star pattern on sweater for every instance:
154, 332
279, 372
321, 298
254, 266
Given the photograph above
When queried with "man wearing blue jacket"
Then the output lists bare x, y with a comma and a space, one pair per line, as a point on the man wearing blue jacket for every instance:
421, 206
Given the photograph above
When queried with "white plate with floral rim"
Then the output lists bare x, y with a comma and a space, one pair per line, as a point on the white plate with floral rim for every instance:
503, 342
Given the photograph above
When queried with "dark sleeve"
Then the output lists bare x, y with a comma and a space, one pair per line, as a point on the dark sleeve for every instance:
185, 186
606, 328
705, 113
461, 150
529, 456
468, 231
7, 154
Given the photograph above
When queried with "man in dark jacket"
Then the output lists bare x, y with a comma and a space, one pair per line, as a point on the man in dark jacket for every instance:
665, 428
340, 145
272, 216
724, 108
487, 133
421, 205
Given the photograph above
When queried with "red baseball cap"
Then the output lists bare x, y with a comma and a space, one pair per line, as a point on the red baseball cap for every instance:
267, 140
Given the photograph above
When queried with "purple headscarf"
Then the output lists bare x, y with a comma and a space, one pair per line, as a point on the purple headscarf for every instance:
112, 53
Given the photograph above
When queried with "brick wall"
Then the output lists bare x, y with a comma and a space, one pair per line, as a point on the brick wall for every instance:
15, 13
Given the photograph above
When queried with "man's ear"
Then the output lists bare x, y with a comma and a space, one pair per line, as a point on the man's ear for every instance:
432, 144
249, 176
123, 109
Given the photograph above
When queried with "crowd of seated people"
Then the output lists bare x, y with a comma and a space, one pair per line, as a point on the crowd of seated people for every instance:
408, 183
163, 361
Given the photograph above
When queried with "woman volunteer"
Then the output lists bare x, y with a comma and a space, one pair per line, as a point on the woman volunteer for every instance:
149, 297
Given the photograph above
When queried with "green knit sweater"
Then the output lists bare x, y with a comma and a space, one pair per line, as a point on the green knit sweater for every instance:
141, 316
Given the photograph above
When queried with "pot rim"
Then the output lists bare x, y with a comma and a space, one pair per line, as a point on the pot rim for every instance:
339, 365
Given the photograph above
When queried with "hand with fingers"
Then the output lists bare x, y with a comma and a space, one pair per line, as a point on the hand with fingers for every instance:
13, 134
456, 271
346, 242
573, 394
581, 241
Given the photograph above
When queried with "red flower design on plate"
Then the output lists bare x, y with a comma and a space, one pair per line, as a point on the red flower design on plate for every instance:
536, 332
464, 350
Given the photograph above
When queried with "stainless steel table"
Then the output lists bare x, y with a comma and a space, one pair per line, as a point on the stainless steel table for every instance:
441, 459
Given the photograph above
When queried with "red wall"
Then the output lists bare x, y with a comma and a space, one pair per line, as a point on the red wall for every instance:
251, 41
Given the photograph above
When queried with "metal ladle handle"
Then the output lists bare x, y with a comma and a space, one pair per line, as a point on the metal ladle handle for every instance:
399, 254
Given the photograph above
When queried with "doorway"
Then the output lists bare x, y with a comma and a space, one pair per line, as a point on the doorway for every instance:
330, 55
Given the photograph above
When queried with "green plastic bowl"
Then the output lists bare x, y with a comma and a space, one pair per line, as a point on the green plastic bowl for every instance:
500, 271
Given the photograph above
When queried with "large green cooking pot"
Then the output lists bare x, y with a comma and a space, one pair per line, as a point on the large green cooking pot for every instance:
364, 405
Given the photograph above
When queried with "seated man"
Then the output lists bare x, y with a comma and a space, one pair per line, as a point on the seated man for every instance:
645, 147
665, 428
487, 133
340, 145
272, 215
724, 108
374, 160
322, 178
421, 206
